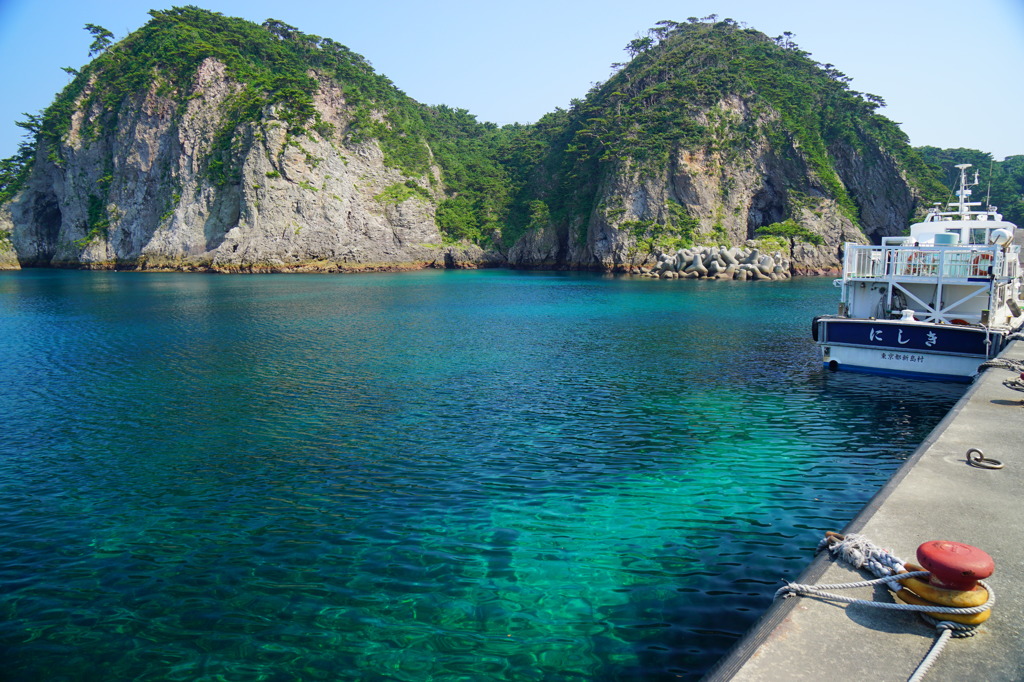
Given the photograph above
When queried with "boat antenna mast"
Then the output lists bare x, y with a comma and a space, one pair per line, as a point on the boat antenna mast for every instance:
962, 194
988, 195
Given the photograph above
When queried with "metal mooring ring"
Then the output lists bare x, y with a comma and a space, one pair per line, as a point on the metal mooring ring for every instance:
981, 461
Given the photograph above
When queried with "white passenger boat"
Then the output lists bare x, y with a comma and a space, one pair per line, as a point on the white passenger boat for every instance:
935, 304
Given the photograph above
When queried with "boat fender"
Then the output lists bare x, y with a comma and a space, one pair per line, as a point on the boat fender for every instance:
814, 328
1014, 307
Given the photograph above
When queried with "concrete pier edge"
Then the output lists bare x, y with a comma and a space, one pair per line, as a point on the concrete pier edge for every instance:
780, 610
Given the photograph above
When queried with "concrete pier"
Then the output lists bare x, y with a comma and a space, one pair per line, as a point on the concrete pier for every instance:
935, 495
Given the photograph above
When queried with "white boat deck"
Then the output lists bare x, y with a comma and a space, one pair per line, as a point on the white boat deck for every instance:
961, 263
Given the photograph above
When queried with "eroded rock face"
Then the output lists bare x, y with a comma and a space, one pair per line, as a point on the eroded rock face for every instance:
731, 191
306, 202
167, 189
8, 256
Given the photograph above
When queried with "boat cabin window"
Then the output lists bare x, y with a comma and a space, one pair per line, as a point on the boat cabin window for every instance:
979, 235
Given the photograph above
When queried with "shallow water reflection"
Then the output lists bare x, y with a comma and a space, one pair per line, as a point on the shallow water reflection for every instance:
436, 475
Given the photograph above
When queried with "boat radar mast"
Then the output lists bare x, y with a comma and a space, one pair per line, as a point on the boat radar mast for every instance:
963, 194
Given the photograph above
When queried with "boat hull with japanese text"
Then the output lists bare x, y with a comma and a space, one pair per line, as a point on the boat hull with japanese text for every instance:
922, 350
935, 304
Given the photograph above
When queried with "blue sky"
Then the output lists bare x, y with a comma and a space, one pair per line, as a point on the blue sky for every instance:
951, 72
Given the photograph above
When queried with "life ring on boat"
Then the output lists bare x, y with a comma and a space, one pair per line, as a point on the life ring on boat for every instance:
962, 323
919, 263
981, 263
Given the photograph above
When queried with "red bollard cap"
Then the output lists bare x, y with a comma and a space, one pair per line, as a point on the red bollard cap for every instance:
954, 565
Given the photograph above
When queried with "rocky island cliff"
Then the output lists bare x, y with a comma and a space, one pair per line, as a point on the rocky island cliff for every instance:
202, 142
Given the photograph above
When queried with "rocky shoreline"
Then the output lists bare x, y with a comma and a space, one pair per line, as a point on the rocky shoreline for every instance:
751, 266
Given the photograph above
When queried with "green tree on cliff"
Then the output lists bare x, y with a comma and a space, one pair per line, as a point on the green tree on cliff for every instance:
102, 39
794, 232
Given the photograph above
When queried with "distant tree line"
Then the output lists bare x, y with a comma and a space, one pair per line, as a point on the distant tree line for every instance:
1001, 182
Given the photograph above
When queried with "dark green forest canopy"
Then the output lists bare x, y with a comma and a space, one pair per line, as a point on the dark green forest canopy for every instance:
1001, 182
500, 181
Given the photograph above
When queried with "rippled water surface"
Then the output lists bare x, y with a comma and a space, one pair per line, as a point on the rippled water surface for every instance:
420, 476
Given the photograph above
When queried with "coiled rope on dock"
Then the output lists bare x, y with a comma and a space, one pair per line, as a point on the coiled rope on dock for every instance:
1012, 365
861, 553
1003, 363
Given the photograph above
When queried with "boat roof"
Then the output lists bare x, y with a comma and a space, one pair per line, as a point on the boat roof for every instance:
966, 219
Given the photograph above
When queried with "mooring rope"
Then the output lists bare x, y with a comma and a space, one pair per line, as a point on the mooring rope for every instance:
821, 591
946, 629
1007, 363
1003, 363
860, 552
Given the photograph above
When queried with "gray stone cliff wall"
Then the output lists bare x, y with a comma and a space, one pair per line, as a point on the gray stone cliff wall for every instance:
292, 203
731, 191
143, 196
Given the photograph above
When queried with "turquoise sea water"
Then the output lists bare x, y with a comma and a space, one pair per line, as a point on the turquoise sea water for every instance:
422, 476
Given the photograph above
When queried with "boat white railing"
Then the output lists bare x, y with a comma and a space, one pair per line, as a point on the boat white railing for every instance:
945, 262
